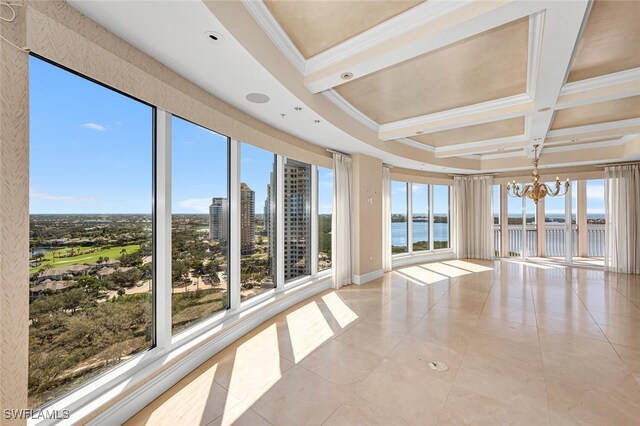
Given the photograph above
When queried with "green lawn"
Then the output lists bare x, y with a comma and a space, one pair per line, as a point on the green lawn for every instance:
112, 253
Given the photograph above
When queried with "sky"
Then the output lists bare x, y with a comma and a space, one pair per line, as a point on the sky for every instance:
91, 152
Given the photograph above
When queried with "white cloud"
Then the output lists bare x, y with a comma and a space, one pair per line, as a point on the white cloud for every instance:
94, 126
38, 195
196, 205
595, 192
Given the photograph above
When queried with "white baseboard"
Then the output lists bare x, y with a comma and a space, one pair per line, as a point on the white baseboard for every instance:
128, 406
361, 279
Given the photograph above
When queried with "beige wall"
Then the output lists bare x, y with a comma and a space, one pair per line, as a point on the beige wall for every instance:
415, 176
14, 220
367, 213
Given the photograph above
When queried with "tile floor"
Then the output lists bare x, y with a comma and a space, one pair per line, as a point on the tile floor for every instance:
524, 344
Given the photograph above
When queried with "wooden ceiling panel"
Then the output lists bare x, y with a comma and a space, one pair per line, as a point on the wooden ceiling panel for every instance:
315, 26
487, 66
603, 112
478, 132
611, 40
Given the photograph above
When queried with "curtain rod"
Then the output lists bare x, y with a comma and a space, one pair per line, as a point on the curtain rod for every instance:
629, 163
333, 151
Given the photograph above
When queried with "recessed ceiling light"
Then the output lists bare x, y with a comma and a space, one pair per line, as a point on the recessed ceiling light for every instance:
537, 139
316, 121
257, 98
346, 76
419, 132
214, 36
297, 108
575, 140
283, 115
545, 109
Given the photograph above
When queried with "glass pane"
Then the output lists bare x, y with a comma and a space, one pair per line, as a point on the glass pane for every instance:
297, 219
554, 206
200, 223
399, 228
496, 204
91, 259
257, 221
325, 212
420, 216
440, 217
514, 221
595, 217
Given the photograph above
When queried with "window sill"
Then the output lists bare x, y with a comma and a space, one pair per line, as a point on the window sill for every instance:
138, 381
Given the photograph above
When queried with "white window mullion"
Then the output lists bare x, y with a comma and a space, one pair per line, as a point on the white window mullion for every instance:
163, 231
234, 219
409, 217
280, 224
431, 224
314, 220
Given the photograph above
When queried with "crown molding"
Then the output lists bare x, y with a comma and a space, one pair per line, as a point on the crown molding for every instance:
595, 127
422, 146
274, 31
345, 106
465, 116
392, 28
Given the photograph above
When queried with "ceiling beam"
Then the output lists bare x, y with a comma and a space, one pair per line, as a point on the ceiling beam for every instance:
422, 29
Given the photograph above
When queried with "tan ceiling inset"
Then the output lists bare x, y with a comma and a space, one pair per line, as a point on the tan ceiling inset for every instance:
478, 132
315, 26
603, 112
611, 40
487, 66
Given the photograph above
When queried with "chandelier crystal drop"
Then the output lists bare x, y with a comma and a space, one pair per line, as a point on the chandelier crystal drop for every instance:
536, 190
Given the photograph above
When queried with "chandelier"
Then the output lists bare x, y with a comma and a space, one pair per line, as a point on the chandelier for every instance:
536, 190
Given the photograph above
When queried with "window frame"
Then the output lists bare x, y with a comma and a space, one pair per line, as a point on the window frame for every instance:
430, 202
167, 347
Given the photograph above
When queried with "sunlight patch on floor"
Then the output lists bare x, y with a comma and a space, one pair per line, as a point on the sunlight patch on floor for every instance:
467, 266
421, 275
308, 329
446, 270
340, 311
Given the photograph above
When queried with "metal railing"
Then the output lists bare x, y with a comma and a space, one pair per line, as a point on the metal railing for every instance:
554, 240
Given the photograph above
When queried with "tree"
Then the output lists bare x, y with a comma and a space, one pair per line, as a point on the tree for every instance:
73, 299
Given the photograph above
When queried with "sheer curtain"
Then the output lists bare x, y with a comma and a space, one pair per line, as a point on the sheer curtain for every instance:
472, 217
341, 242
386, 219
622, 214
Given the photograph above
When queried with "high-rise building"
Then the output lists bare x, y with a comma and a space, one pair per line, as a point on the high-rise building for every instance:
247, 219
297, 219
219, 219
270, 220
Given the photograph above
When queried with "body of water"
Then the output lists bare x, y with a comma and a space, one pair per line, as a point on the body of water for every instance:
420, 232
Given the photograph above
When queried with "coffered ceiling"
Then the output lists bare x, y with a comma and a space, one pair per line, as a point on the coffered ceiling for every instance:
473, 79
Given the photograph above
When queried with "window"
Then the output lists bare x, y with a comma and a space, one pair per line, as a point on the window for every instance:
496, 204
399, 224
91, 250
596, 219
200, 223
420, 216
325, 214
297, 219
554, 207
440, 217
258, 227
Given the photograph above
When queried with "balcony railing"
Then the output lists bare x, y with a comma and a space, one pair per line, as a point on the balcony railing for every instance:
554, 240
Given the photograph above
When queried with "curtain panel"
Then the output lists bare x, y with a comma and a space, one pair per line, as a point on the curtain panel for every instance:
472, 216
387, 264
622, 213
342, 222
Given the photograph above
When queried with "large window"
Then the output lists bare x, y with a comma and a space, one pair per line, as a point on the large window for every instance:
91, 258
100, 291
200, 223
325, 213
420, 216
595, 217
440, 217
258, 226
297, 219
425, 217
399, 224
496, 204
